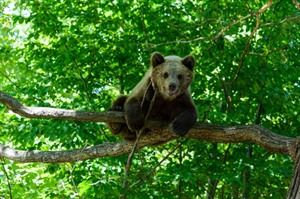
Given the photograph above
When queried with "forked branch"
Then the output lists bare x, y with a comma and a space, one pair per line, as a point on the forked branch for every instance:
160, 133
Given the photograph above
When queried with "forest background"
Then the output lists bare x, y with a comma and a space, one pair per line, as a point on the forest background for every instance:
80, 55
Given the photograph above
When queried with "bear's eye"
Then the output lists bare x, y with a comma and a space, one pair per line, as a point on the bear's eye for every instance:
166, 75
179, 77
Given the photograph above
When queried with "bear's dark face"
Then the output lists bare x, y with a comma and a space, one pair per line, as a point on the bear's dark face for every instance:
171, 76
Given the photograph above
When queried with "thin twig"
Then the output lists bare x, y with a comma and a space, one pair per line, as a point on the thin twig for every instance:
129, 162
246, 49
257, 14
135, 146
144, 96
72, 180
289, 19
269, 51
7, 177
231, 24
178, 42
160, 162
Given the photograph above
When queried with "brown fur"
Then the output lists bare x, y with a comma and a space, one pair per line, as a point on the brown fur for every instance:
170, 77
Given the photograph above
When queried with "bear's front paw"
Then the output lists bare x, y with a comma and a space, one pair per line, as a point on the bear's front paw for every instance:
134, 116
135, 123
177, 127
183, 123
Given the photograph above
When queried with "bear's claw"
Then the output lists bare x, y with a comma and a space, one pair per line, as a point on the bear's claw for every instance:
178, 129
116, 108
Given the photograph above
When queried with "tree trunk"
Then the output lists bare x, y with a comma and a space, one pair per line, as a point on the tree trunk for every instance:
294, 190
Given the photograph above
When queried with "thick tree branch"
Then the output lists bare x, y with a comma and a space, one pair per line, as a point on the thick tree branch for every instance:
55, 113
233, 134
160, 133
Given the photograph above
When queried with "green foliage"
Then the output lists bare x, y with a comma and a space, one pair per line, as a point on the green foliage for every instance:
82, 54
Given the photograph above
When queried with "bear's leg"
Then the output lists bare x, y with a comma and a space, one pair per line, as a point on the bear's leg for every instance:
118, 105
183, 122
134, 115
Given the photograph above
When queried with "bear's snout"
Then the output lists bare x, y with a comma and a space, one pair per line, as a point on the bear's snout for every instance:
172, 89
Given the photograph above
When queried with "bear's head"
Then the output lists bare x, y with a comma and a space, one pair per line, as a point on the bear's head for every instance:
171, 76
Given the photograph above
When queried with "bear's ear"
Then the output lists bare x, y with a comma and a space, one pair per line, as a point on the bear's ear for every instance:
189, 61
157, 59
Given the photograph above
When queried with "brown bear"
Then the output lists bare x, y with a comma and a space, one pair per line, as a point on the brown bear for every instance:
170, 77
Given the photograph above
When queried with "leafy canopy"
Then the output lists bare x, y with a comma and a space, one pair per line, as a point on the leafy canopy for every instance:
82, 54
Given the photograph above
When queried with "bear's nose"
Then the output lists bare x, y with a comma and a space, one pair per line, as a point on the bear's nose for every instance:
172, 87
